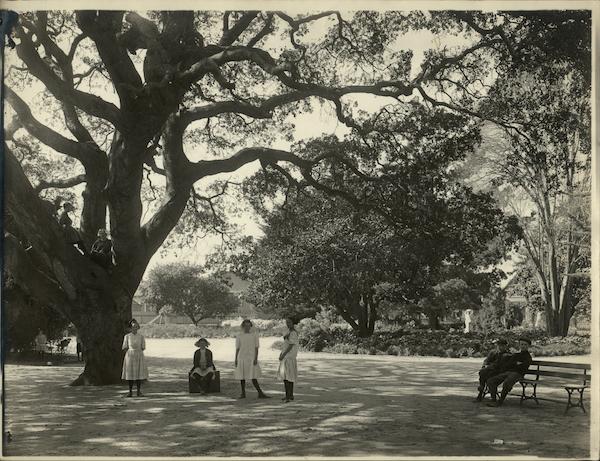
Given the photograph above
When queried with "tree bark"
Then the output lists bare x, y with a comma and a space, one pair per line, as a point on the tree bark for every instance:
49, 271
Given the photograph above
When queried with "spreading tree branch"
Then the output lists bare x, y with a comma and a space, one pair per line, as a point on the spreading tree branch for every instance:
60, 183
230, 35
51, 138
60, 89
103, 28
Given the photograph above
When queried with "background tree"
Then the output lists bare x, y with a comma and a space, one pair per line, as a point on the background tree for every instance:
143, 102
417, 236
183, 290
493, 307
537, 150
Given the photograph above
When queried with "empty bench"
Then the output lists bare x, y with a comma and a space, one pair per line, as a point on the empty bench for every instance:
575, 379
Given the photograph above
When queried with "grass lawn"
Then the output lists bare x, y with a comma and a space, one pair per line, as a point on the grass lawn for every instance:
345, 406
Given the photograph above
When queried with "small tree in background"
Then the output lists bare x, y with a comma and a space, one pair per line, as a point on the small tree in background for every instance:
185, 291
493, 306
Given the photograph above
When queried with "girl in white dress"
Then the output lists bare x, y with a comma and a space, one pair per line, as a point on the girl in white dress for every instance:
288, 367
246, 359
134, 365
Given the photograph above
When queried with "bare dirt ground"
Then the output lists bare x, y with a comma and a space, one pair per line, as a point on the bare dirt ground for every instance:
345, 406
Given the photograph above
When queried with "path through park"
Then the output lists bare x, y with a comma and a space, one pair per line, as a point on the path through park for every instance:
345, 405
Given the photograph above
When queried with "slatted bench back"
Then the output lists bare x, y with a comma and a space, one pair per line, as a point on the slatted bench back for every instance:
577, 372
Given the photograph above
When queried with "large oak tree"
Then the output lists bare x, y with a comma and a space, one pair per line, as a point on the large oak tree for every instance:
161, 92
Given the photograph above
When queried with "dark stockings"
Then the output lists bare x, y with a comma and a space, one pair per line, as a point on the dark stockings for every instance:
289, 389
138, 385
256, 386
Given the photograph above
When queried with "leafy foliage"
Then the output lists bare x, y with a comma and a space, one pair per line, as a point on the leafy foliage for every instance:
183, 290
412, 236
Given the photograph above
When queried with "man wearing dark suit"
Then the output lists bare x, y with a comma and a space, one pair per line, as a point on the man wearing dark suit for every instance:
204, 369
513, 370
490, 365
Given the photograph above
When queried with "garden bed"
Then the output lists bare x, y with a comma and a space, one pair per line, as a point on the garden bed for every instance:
440, 343
263, 327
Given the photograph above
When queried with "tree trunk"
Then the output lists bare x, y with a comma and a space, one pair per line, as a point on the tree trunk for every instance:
360, 316
101, 331
49, 271
557, 299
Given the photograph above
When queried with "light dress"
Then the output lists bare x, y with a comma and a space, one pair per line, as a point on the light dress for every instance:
288, 367
247, 344
41, 342
134, 364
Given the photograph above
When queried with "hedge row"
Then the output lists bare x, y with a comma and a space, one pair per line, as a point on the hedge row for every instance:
433, 343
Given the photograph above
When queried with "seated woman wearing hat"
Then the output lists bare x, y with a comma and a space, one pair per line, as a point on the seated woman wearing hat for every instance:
204, 368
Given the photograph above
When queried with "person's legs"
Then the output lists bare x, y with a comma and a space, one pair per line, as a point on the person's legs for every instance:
493, 382
81, 247
130, 382
243, 385
286, 385
261, 394
291, 397
508, 384
206, 382
138, 384
484, 374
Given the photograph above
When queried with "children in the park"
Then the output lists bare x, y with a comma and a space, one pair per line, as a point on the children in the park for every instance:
288, 367
491, 365
512, 370
41, 342
71, 234
134, 364
101, 251
246, 359
204, 368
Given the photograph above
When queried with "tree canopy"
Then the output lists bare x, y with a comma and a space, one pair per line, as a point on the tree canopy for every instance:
182, 289
421, 240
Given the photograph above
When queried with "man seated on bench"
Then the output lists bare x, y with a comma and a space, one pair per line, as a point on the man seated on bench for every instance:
491, 365
517, 366
204, 369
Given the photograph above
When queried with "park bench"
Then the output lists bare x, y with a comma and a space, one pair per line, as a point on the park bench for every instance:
577, 374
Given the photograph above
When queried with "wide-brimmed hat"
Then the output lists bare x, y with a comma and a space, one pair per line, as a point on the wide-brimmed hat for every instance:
501, 341
525, 340
201, 340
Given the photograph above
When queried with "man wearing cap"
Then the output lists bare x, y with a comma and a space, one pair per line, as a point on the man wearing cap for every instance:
491, 365
204, 368
516, 367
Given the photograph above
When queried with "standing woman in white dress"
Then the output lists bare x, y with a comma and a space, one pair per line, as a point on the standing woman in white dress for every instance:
246, 359
288, 366
134, 364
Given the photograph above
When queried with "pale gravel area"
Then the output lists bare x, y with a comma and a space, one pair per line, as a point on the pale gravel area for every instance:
346, 405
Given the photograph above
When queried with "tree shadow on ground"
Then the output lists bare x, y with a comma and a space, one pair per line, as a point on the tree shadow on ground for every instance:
344, 407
